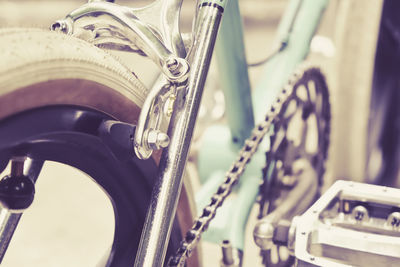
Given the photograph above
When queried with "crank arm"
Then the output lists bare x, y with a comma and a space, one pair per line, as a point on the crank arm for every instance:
296, 202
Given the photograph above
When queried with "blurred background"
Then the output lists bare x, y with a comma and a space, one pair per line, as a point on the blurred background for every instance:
78, 228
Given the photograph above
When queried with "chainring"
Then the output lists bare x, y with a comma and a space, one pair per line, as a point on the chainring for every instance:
314, 101
301, 133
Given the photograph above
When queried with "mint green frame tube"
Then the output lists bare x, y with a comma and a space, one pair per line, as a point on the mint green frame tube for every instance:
296, 29
233, 74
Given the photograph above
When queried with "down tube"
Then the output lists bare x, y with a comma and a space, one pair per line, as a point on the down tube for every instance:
297, 28
233, 74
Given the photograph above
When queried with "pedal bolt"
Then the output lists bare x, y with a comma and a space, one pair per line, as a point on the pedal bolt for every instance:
263, 234
394, 220
360, 214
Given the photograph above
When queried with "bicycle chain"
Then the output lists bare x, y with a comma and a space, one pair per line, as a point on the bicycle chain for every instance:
288, 151
193, 236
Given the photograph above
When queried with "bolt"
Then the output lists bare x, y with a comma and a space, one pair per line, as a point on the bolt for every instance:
360, 213
263, 234
63, 26
173, 65
394, 220
157, 140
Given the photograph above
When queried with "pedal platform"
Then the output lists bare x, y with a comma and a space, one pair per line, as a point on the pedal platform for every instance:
352, 224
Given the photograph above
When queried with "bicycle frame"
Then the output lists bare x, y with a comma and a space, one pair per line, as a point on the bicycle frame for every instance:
221, 143
295, 32
243, 106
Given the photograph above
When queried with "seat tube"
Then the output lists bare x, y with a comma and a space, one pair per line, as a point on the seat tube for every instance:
233, 74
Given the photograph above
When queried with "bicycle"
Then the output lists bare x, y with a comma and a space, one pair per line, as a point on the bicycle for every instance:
108, 112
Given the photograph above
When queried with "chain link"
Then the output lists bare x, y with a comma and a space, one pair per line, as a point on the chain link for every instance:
251, 144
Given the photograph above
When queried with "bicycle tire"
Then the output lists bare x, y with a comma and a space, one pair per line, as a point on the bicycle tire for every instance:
356, 35
45, 73
365, 142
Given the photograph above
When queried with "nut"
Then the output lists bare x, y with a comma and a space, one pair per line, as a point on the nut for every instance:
157, 140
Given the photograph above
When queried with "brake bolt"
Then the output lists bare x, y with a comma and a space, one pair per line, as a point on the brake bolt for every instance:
157, 139
174, 66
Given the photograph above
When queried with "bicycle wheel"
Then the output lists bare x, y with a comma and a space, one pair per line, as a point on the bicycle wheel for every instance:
365, 91
56, 93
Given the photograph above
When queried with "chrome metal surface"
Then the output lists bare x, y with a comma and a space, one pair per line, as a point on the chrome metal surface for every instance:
8, 224
64, 26
329, 233
233, 175
166, 192
148, 134
9, 219
296, 202
157, 140
360, 214
263, 234
17, 166
393, 221
231, 257
152, 30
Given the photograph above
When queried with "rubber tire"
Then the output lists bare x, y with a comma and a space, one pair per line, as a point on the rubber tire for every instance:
40, 68
356, 34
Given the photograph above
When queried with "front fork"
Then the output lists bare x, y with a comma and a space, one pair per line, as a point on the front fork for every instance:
164, 198
116, 27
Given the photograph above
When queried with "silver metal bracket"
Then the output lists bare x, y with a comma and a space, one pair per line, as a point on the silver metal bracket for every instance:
152, 31
158, 104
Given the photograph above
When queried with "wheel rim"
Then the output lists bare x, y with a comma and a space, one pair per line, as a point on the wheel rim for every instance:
70, 135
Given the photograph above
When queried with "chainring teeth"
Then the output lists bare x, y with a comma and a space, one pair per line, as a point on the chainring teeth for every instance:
301, 81
245, 154
301, 77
